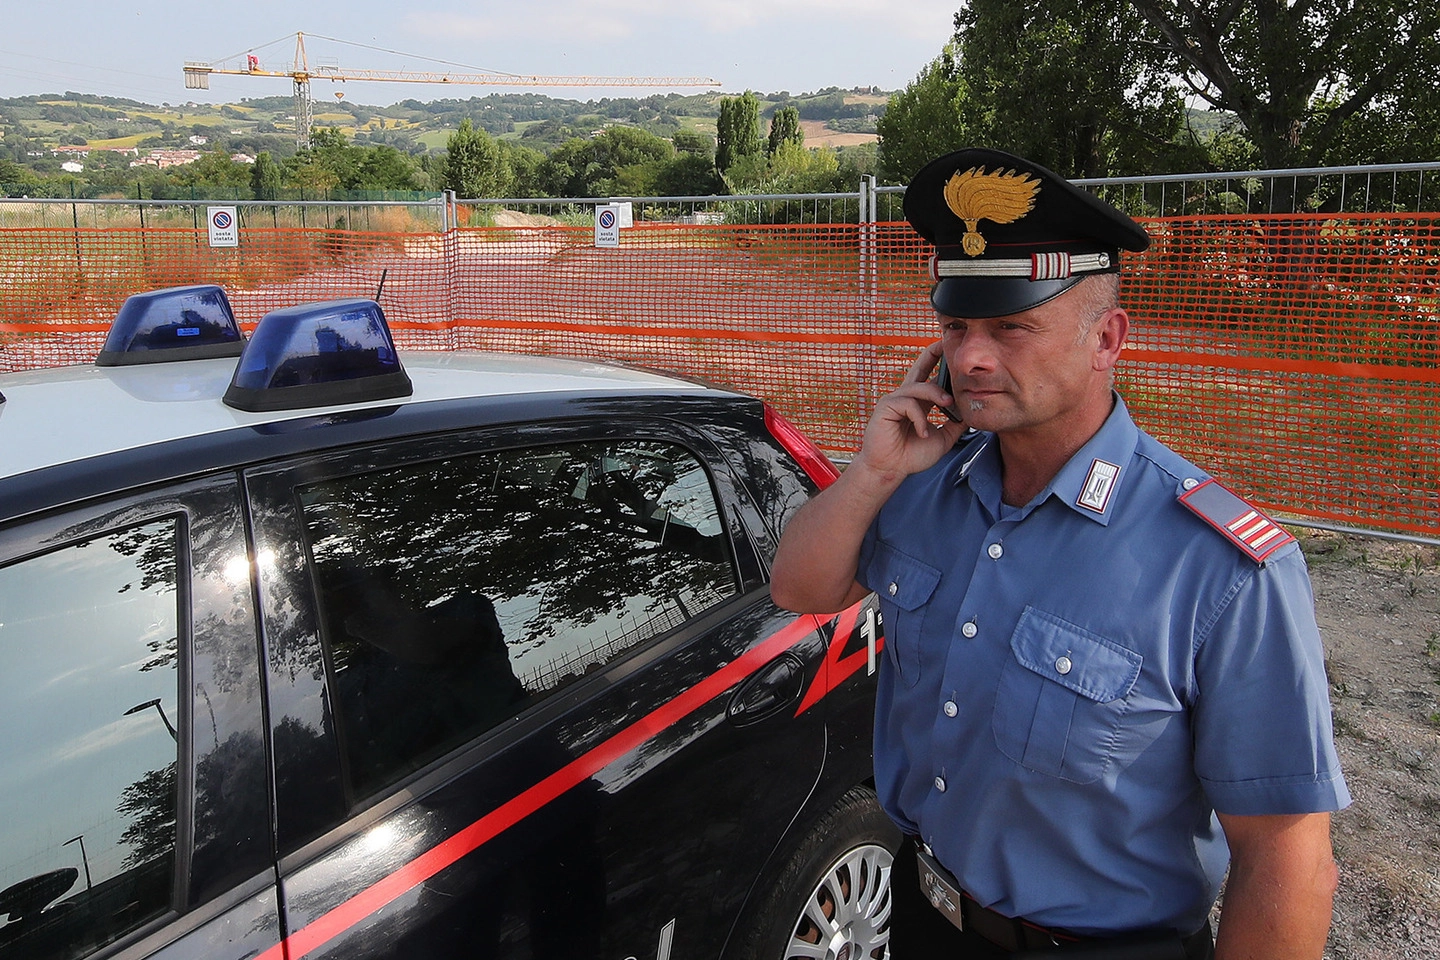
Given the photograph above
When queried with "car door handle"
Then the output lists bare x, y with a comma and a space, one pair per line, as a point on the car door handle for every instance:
776, 685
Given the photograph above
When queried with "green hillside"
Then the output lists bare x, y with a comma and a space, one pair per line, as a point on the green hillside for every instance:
32, 125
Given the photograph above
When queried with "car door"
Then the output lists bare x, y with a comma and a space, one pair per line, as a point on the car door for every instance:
136, 800
528, 694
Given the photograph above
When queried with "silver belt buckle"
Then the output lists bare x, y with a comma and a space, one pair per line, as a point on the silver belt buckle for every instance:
941, 893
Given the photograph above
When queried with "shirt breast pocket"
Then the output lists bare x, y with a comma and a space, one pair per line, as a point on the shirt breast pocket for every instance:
1063, 693
904, 586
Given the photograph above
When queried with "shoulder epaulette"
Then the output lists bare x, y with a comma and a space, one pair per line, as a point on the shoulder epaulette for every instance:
1253, 532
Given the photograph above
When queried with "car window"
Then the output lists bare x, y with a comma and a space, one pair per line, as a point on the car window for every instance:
89, 684
454, 593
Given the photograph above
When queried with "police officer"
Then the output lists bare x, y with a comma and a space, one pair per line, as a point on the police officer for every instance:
1102, 680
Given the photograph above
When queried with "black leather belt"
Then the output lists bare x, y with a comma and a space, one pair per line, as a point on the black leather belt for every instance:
1016, 935
966, 913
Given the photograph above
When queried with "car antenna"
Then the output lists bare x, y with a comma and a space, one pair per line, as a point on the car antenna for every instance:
380, 289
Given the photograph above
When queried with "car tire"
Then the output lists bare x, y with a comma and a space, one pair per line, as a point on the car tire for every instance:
831, 899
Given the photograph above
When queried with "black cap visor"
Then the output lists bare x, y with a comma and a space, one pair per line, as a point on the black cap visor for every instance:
973, 298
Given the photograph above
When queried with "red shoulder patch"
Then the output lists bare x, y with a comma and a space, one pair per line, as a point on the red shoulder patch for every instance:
1253, 532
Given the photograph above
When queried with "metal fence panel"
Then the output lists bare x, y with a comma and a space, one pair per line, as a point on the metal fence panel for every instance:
1296, 355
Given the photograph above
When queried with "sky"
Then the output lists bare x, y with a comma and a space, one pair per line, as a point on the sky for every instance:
135, 48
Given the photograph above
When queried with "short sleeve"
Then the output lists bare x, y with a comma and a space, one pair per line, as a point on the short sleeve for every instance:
1262, 724
867, 554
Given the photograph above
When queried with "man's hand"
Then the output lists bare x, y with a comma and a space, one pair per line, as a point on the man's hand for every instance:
814, 568
900, 439
1282, 882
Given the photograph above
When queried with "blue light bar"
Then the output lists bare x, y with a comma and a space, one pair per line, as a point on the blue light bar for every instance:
318, 354
177, 323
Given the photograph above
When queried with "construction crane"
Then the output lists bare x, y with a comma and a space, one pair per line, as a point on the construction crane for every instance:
197, 77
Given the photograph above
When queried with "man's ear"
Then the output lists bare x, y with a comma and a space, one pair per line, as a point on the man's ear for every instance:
1110, 332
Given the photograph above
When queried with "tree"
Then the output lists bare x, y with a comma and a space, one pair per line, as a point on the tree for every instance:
1402, 125
213, 169
1071, 84
524, 165
737, 131
785, 128
792, 169
474, 166
922, 121
306, 172
265, 177
385, 168
582, 167
329, 153
1297, 73
11, 173
692, 141
689, 175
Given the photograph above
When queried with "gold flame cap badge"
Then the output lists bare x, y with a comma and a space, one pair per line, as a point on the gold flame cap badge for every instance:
1003, 196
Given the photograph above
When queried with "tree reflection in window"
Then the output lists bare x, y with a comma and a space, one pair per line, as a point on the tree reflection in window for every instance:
88, 696
453, 592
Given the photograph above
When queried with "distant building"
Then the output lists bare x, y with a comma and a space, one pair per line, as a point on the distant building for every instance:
71, 166
71, 150
199, 141
167, 158
241, 158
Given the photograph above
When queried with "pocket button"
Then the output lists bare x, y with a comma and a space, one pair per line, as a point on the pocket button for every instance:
1063, 665
951, 708
969, 629
940, 784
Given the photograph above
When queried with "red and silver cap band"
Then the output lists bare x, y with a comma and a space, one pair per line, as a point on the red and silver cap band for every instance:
1037, 266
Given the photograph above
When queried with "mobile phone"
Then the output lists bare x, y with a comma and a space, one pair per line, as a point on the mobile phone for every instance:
942, 380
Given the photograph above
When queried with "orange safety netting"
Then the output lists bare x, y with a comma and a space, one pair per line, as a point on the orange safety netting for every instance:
1293, 355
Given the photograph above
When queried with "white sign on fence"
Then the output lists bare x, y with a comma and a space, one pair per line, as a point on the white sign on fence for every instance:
607, 225
224, 226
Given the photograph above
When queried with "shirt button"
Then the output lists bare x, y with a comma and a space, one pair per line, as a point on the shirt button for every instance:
951, 708
1190, 483
894, 588
940, 784
969, 629
1063, 665
996, 551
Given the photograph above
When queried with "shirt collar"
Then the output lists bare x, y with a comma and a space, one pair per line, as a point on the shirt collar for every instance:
1088, 483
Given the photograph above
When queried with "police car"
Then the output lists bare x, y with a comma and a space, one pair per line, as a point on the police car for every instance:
311, 649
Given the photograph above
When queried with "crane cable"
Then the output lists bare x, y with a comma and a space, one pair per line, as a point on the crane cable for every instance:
366, 46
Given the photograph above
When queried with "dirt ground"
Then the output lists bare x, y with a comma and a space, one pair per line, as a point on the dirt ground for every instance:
1378, 605
819, 135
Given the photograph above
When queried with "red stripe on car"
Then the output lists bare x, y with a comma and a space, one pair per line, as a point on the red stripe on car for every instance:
336, 921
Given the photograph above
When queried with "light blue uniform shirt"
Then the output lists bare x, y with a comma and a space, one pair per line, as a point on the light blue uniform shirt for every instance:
1067, 695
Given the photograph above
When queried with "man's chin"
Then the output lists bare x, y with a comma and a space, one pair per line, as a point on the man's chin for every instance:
982, 414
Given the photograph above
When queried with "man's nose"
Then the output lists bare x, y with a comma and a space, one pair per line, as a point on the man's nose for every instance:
975, 353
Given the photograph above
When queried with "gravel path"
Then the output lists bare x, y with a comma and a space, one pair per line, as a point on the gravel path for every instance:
1378, 605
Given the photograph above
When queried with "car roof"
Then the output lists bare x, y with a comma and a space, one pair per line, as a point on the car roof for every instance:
66, 414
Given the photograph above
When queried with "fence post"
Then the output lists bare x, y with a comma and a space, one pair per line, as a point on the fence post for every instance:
867, 358
450, 259
75, 224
